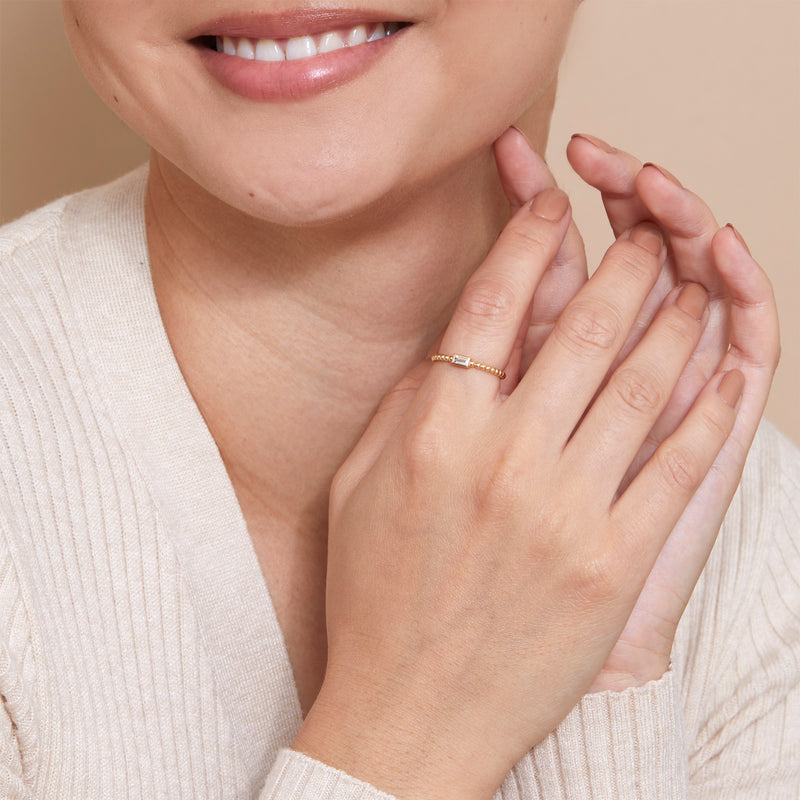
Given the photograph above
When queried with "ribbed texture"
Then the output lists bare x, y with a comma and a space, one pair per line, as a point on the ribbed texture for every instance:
140, 656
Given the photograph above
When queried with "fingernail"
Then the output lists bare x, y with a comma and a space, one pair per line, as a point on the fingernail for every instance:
598, 143
523, 135
668, 175
693, 299
648, 236
731, 387
551, 204
739, 237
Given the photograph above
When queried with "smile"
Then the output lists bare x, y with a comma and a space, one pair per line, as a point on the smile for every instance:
300, 47
294, 57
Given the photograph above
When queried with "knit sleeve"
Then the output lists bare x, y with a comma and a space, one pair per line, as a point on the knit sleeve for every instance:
742, 692
626, 746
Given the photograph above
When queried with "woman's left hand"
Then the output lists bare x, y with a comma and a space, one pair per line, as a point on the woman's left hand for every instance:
742, 333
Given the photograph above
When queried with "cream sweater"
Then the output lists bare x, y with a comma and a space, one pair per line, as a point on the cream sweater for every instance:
140, 656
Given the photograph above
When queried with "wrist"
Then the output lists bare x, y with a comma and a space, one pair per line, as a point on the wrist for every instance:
394, 745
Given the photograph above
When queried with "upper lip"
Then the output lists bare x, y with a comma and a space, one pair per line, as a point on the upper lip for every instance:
291, 22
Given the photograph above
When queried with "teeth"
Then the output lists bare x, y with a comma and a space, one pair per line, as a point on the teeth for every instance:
269, 50
303, 46
329, 42
378, 33
246, 49
300, 47
357, 36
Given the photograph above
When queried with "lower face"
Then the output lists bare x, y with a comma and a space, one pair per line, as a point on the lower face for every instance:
299, 112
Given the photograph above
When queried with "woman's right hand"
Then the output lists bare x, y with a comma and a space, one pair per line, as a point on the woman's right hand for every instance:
481, 566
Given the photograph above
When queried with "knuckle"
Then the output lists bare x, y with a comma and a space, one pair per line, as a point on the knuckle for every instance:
596, 579
488, 302
679, 468
503, 486
717, 421
635, 261
424, 447
681, 328
637, 391
588, 328
525, 240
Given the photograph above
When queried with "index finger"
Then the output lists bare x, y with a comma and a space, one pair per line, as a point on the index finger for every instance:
495, 300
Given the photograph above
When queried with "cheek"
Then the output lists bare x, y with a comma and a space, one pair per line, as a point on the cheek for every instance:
450, 94
506, 61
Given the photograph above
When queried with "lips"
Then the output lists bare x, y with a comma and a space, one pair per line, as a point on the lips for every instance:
295, 55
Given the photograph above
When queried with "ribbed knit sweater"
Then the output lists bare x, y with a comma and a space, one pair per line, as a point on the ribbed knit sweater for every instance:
140, 655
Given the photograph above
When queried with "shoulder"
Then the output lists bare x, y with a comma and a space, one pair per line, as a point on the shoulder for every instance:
44, 227
52, 262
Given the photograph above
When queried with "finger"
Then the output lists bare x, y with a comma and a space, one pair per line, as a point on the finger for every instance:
574, 360
689, 223
754, 348
523, 173
614, 428
652, 505
613, 172
495, 300
562, 280
755, 336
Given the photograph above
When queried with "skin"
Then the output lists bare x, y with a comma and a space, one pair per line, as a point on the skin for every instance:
291, 323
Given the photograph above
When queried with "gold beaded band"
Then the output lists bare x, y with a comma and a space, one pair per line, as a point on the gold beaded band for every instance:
466, 362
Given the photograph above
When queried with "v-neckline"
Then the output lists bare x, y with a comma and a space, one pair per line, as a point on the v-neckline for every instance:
155, 414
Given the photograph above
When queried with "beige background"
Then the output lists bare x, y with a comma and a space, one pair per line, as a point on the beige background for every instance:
709, 88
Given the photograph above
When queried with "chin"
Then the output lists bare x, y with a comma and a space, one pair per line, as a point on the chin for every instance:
317, 200
290, 191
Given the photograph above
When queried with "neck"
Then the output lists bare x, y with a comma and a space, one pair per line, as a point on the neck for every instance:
288, 339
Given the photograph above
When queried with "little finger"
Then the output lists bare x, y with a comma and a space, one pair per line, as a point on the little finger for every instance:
651, 506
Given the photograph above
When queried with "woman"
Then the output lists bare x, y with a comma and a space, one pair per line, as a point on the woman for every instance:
219, 379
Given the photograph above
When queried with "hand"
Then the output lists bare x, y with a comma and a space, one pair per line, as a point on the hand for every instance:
632, 194
481, 563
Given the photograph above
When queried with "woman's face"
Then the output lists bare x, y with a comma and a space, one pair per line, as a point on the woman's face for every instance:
323, 137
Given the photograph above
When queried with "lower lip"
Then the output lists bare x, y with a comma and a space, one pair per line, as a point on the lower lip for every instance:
271, 81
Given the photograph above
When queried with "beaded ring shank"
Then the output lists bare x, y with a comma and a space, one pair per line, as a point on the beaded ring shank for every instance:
467, 363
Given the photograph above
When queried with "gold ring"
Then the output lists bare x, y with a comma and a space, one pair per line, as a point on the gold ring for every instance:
467, 363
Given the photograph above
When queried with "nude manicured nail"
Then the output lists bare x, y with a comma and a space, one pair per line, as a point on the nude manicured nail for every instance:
551, 204
693, 299
648, 236
593, 140
731, 387
739, 237
668, 175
